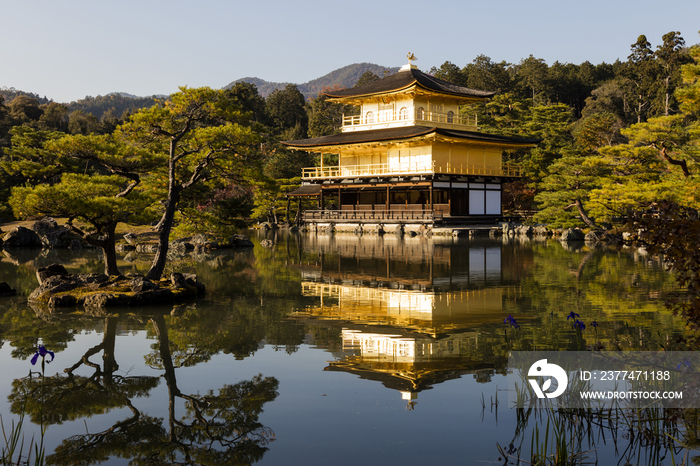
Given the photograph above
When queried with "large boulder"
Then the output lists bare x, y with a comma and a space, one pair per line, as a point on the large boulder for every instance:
141, 284
240, 241
53, 235
541, 230
51, 285
594, 236
205, 241
572, 234
43, 226
508, 229
21, 237
131, 238
49, 271
524, 230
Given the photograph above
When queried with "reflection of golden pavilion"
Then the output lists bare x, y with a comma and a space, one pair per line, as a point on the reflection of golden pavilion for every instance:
409, 263
431, 313
408, 340
411, 312
407, 362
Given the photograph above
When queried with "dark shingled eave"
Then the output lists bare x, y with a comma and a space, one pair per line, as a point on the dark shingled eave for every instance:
393, 134
306, 190
405, 79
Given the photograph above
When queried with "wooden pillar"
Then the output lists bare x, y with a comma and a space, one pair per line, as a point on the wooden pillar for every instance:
388, 203
431, 201
321, 206
298, 216
449, 198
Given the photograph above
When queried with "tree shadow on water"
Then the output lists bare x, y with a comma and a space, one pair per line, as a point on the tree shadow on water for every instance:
219, 427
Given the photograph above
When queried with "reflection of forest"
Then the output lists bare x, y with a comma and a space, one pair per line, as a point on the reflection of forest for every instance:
218, 427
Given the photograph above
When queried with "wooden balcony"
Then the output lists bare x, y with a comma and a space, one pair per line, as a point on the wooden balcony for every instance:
418, 117
411, 169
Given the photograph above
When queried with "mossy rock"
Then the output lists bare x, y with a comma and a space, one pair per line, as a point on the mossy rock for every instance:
85, 290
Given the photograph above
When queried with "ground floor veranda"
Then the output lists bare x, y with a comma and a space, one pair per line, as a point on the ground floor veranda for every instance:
418, 201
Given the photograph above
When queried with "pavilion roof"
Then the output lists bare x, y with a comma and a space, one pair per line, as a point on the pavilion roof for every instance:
405, 79
406, 132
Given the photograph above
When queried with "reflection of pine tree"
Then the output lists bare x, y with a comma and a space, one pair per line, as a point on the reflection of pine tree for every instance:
217, 428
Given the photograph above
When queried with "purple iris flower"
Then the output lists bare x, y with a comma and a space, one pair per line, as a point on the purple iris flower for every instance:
41, 352
510, 320
580, 325
572, 315
594, 324
683, 364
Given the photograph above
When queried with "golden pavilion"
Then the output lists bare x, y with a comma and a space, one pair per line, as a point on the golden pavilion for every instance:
409, 156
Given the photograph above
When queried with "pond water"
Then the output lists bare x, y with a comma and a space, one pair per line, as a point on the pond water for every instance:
331, 350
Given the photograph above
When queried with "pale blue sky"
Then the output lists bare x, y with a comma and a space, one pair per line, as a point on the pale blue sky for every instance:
68, 49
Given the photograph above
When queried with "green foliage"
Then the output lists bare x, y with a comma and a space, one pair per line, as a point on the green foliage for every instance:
565, 191
24, 110
689, 94
486, 75
608, 98
670, 57
327, 117
91, 199
54, 117
450, 72
211, 209
29, 162
80, 122
366, 78
270, 199
116, 103
532, 74
287, 109
596, 131
204, 137
246, 97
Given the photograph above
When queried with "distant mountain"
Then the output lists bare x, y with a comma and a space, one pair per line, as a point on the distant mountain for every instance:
346, 77
124, 94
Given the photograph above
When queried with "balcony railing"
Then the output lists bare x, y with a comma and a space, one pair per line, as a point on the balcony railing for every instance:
419, 168
414, 116
364, 216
